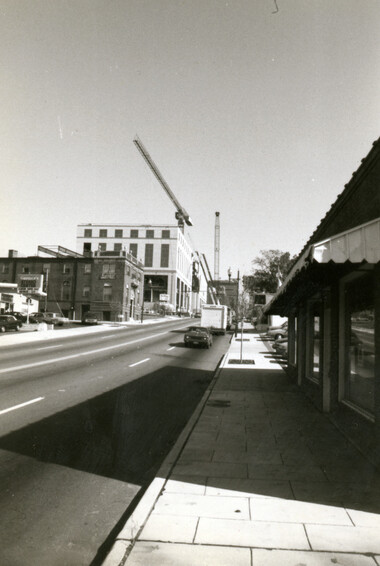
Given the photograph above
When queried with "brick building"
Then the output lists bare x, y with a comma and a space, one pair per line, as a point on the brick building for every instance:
164, 250
109, 284
332, 299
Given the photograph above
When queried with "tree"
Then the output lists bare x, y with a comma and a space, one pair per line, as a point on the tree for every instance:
269, 270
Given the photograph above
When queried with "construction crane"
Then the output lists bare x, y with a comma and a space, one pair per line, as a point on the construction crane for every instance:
217, 246
208, 277
181, 214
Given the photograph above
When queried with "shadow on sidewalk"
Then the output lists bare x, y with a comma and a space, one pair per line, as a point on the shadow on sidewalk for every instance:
259, 436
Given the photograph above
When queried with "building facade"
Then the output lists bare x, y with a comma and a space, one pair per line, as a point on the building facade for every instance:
332, 300
164, 251
109, 284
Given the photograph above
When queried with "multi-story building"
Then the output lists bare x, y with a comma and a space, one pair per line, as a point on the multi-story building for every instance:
109, 284
164, 250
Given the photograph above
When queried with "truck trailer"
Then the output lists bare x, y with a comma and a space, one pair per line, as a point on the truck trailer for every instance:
216, 318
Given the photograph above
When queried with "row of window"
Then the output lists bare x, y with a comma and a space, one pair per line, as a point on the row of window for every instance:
118, 233
86, 292
149, 248
67, 269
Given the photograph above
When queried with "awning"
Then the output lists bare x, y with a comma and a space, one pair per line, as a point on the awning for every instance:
359, 244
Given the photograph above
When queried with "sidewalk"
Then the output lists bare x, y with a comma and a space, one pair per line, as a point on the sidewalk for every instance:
258, 478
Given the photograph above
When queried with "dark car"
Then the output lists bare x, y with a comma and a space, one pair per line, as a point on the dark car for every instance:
198, 336
21, 317
89, 318
9, 322
36, 317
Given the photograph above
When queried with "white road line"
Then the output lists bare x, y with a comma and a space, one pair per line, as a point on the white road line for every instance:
172, 348
72, 356
48, 347
21, 405
140, 362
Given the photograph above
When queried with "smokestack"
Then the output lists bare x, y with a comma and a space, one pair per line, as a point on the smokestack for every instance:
217, 246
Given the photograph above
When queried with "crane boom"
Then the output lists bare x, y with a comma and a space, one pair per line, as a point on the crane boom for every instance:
213, 292
181, 215
208, 282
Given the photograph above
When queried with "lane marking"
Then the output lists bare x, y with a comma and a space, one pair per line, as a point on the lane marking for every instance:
90, 352
140, 362
21, 405
172, 348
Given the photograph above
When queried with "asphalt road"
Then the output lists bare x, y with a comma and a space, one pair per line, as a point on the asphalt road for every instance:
85, 423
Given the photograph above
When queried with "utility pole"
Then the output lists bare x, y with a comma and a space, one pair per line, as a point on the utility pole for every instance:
237, 302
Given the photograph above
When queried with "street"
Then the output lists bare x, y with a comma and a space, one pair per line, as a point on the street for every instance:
85, 422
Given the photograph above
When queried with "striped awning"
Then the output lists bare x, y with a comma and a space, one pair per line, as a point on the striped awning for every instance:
359, 244
356, 245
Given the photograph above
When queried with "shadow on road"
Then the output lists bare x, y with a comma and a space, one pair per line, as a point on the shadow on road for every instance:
123, 434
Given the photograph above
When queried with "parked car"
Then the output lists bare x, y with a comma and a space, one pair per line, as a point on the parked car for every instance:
89, 318
198, 336
280, 346
21, 317
276, 326
36, 317
280, 332
55, 319
9, 322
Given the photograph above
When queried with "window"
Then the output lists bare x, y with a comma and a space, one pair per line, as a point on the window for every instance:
134, 233
86, 247
133, 250
87, 267
107, 292
117, 247
314, 352
118, 233
66, 268
102, 247
108, 271
87, 233
25, 269
148, 255
164, 255
150, 234
66, 291
103, 233
5, 269
86, 291
165, 234
359, 342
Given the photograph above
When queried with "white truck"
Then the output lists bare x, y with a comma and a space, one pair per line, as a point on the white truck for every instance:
216, 318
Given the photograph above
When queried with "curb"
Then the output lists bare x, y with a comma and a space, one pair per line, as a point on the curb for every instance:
127, 537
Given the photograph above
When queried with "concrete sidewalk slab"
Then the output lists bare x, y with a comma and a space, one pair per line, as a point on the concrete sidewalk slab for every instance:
260, 478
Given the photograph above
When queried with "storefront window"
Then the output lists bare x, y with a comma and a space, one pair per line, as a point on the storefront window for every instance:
315, 341
360, 343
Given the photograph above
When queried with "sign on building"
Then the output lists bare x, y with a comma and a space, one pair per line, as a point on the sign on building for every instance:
164, 298
30, 283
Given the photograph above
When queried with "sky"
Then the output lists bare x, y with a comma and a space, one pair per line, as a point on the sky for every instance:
257, 113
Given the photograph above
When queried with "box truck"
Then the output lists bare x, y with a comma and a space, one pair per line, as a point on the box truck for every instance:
216, 318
